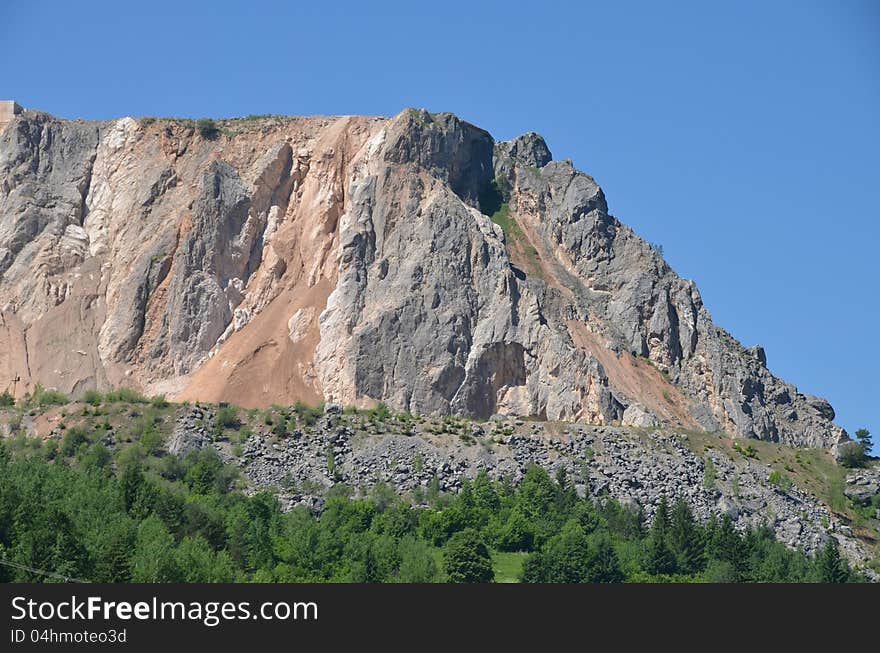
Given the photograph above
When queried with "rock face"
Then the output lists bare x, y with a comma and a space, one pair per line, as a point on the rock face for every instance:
191, 432
863, 485
354, 260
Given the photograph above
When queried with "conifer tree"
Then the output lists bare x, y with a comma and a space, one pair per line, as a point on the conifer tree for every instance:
132, 480
685, 539
659, 557
832, 568
115, 564
727, 545
566, 496
604, 564
660, 525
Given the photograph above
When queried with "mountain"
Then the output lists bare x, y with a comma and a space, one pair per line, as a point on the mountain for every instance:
409, 260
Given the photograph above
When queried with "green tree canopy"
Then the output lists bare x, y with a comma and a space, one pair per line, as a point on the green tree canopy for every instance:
466, 559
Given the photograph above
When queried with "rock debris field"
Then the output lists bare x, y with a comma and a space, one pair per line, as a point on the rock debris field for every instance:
635, 466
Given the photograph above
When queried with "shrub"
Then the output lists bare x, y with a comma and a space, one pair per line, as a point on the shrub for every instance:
748, 451
151, 439
309, 415
159, 401
331, 461
43, 397
73, 438
92, 397
50, 449
780, 480
466, 559
95, 457
172, 468
14, 422
244, 433
6, 400
851, 454
379, 412
227, 418
126, 395
207, 128
288, 482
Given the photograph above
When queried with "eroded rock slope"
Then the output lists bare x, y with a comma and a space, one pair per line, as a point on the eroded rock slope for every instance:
411, 260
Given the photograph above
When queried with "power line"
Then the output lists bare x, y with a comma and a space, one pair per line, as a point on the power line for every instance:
51, 574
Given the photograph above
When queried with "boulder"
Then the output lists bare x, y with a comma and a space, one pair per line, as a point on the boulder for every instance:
636, 415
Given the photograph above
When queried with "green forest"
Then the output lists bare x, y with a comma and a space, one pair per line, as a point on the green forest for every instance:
75, 510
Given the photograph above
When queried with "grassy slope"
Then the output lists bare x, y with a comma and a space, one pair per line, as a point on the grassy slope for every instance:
522, 252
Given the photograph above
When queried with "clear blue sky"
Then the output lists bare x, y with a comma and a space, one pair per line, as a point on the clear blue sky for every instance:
744, 138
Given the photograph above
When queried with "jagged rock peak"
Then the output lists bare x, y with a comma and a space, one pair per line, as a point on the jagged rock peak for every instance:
411, 260
528, 149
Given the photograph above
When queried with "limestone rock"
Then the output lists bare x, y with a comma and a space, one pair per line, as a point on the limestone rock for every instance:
863, 485
191, 432
636, 415
348, 259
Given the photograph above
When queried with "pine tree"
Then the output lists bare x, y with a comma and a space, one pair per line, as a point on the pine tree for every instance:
727, 545
153, 559
566, 496
604, 565
132, 480
660, 526
115, 565
660, 559
685, 539
485, 494
568, 556
417, 565
69, 555
6, 575
368, 569
832, 568
864, 437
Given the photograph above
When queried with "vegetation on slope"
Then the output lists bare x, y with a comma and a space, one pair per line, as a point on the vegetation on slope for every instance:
87, 512
521, 250
814, 470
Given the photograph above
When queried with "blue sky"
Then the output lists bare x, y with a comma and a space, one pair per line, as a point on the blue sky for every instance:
744, 138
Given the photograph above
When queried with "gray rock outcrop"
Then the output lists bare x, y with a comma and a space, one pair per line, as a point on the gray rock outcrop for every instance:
410, 260
192, 431
863, 485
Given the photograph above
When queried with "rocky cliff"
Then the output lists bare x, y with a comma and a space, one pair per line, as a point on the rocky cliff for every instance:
410, 260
